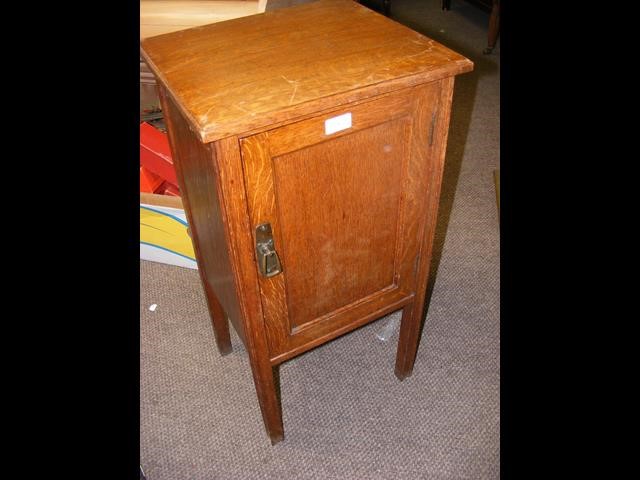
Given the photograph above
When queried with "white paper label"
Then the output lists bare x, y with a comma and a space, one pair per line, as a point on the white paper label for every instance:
335, 124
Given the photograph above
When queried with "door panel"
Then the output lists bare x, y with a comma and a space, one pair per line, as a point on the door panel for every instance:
338, 238
337, 205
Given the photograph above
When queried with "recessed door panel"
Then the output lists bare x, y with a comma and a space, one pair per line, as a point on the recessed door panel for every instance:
342, 199
338, 205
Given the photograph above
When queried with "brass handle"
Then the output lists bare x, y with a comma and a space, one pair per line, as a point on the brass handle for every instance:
268, 261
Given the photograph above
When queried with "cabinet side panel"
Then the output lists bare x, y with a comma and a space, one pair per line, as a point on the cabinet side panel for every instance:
196, 169
413, 317
438, 145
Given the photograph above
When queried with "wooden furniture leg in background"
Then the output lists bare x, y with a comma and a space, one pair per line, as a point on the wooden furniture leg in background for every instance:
492, 6
494, 26
386, 5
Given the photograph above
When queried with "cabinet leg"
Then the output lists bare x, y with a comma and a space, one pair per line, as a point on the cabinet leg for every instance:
266, 380
219, 321
409, 339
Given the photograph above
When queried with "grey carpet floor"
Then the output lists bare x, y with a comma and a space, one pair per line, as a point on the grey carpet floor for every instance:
346, 416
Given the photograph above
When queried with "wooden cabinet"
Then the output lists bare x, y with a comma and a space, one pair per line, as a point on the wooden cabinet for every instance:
309, 158
493, 8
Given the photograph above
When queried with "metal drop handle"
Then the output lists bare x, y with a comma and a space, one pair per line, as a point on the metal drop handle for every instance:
268, 261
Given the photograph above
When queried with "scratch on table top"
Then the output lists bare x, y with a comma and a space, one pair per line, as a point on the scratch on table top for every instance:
205, 116
241, 108
294, 83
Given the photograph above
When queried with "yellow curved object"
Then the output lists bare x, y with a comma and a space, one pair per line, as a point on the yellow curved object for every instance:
168, 232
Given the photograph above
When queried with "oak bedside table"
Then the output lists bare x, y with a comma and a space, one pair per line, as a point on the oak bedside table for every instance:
309, 145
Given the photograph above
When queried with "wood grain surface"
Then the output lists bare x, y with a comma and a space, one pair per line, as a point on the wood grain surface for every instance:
196, 172
241, 248
425, 215
347, 212
290, 62
353, 212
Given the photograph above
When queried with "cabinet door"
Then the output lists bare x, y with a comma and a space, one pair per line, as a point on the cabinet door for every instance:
347, 213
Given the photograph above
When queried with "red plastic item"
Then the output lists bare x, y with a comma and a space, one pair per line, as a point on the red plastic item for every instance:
155, 154
149, 182
170, 189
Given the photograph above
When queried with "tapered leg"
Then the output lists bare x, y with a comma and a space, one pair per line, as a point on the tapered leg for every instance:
265, 378
219, 321
409, 339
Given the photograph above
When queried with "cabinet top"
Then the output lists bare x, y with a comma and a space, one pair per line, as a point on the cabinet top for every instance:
240, 75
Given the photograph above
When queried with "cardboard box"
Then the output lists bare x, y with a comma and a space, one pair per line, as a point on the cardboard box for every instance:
164, 234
